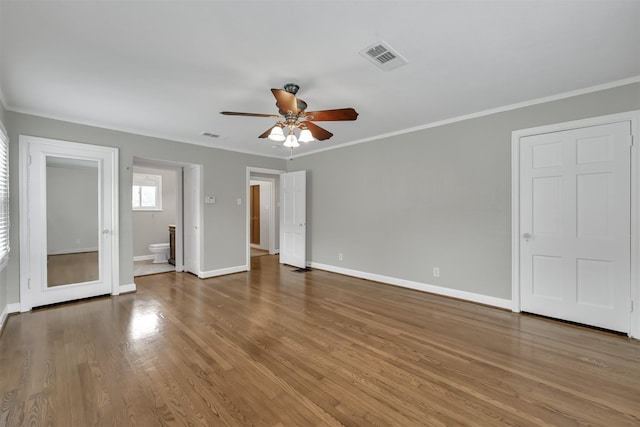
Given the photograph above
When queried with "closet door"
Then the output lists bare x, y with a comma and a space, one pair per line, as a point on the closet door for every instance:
575, 246
69, 236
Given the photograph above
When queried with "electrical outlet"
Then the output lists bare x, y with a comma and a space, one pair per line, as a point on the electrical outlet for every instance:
340, 256
436, 271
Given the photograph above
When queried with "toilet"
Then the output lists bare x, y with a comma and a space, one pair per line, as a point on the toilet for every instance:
161, 252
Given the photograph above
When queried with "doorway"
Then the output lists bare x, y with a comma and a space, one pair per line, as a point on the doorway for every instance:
575, 222
69, 214
154, 214
183, 233
268, 181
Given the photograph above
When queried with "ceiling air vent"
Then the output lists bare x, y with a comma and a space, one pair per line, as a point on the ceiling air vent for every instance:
210, 135
383, 56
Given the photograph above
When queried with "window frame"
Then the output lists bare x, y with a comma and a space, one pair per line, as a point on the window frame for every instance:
152, 180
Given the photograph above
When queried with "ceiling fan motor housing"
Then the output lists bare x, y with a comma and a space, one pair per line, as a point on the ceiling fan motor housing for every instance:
292, 88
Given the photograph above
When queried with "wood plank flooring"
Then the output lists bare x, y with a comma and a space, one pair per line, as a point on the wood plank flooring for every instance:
278, 348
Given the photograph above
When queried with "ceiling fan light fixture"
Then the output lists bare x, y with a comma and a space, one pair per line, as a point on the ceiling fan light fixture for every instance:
305, 136
291, 141
276, 134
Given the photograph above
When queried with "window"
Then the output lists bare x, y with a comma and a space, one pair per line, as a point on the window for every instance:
4, 197
147, 192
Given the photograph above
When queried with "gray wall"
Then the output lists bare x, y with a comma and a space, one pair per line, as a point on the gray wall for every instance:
395, 207
224, 175
72, 209
153, 226
438, 197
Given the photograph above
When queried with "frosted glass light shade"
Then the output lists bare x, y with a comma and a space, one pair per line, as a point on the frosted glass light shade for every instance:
305, 136
276, 134
291, 141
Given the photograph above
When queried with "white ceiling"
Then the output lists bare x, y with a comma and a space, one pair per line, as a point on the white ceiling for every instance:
168, 68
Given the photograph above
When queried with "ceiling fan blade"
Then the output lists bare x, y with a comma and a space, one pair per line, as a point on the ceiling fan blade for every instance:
318, 133
285, 101
267, 132
233, 113
332, 115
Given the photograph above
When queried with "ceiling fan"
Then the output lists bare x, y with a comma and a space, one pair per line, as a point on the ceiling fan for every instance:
293, 114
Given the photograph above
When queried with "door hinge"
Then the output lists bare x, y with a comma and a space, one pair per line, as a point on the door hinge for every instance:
631, 306
29, 283
29, 160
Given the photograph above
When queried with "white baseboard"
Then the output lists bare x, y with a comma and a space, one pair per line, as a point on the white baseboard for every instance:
275, 252
72, 251
222, 271
143, 257
6, 311
127, 288
438, 290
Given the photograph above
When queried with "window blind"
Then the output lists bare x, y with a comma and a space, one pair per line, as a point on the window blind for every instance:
4, 198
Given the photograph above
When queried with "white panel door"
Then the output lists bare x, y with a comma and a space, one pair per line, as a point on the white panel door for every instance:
69, 240
191, 206
575, 225
293, 220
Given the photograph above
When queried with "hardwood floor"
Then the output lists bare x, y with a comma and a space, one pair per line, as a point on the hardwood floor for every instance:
278, 348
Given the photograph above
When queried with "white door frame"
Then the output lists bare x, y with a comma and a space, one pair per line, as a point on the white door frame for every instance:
181, 209
25, 250
630, 116
272, 226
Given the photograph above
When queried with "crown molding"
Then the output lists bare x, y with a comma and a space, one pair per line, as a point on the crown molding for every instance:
510, 107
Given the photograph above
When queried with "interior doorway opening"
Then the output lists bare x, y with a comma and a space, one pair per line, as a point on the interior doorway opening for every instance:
263, 212
167, 238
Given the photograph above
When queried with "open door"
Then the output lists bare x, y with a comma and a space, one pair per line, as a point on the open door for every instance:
192, 215
255, 214
293, 219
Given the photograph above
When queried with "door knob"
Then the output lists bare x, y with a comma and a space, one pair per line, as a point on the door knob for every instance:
105, 231
526, 236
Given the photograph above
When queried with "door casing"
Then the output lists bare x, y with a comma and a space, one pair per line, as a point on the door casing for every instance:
274, 209
25, 142
634, 118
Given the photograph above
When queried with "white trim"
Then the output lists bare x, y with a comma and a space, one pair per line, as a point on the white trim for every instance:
287, 156
24, 144
143, 258
178, 168
510, 107
72, 251
424, 287
222, 271
8, 309
272, 213
629, 116
139, 132
249, 171
127, 288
